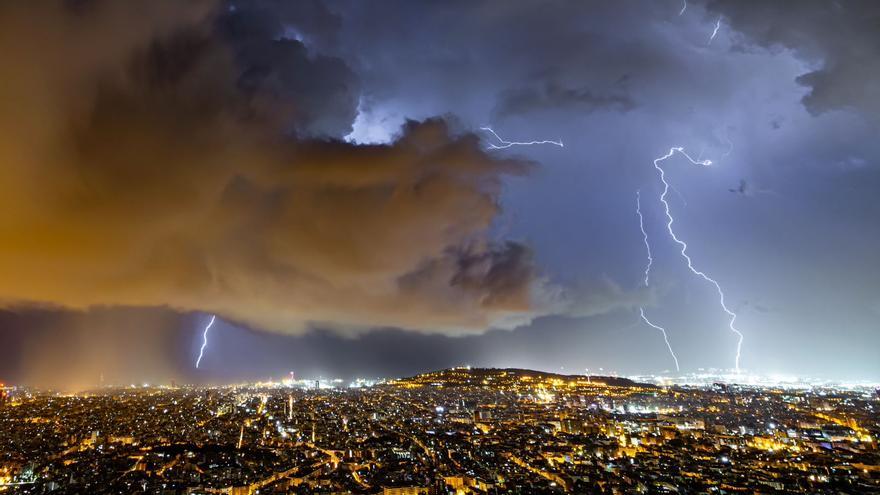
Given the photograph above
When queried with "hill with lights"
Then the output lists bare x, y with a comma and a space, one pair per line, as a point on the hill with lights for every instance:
510, 378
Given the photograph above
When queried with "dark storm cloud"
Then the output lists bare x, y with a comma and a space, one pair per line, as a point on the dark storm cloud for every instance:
553, 97
319, 92
840, 38
509, 59
151, 159
305, 20
502, 273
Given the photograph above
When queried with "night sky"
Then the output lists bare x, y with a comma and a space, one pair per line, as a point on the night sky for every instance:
315, 174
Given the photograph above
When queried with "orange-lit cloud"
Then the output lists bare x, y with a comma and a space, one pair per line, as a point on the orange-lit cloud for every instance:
181, 154
149, 160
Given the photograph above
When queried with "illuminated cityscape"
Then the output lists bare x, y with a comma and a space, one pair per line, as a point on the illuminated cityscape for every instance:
456, 431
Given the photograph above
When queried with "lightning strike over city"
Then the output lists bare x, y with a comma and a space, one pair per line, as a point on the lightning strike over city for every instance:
665, 337
411, 223
683, 245
647, 277
205, 340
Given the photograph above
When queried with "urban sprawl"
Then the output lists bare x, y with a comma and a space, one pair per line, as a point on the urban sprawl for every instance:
457, 431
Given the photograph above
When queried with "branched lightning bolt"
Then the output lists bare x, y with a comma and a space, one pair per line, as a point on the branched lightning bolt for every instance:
715, 31
647, 277
507, 144
683, 245
205, 340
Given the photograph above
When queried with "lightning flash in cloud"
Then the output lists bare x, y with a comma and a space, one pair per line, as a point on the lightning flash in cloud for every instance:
670, 220
715, 31
647, 277
205, 340
503, 144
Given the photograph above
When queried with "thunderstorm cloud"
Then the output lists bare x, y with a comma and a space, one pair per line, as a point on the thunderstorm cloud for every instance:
211, 156
187, 155
839, 40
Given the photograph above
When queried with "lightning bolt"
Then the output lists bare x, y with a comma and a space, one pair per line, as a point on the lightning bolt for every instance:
644, 236
715, 31
684, 7
205, 340
647, 277
665, 338
507, 144
670, 220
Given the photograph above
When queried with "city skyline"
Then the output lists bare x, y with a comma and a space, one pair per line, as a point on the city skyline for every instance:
462, 431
